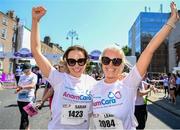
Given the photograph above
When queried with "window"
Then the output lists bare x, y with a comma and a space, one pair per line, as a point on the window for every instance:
5, 21
1, 47
4, 33
14, 38
14, 27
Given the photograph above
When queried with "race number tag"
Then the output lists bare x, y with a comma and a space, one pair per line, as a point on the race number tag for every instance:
31, 109
74, 114
23, 95
107, 121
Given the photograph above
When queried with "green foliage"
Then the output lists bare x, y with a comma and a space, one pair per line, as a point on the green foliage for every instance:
126, 50
88, 67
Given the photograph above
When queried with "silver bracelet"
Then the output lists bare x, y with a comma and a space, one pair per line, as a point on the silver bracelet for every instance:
171, 24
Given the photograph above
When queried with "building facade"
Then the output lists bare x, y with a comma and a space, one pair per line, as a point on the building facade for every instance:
8, 26
14, 37
51, 49
144, 28
174, 47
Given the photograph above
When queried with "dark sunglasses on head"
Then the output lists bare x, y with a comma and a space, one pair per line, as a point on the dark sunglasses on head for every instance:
72, 62
107, 60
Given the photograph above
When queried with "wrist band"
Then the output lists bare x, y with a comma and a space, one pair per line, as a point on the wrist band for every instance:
171, 24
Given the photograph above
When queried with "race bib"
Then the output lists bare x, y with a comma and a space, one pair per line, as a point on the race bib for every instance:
23, 95
31, 109
74, 114
106, 121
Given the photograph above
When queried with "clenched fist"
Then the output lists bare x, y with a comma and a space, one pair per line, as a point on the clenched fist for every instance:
38, 12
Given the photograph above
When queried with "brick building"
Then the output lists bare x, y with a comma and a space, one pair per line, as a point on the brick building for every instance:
8, 25
11, 39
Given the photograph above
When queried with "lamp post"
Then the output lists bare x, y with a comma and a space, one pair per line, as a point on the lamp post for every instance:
71, 35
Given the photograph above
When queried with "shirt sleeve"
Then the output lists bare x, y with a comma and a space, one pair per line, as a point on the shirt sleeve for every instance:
34, 80
55, 77
133, 79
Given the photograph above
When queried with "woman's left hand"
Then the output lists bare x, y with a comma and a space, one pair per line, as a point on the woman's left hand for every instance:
174, 13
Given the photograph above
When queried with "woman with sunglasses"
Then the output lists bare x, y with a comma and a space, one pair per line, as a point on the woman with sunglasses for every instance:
114, 99
72, 102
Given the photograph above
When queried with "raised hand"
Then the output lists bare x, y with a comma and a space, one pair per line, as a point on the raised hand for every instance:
174, 11
174, 15
38, 12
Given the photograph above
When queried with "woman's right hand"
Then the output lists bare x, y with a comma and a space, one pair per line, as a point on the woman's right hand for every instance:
39, 105
18, 88
38, 12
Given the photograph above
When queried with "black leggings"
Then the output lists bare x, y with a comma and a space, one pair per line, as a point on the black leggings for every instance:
24, 116
141, 116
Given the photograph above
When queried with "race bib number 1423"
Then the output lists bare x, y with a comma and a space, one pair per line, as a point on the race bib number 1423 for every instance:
74, 114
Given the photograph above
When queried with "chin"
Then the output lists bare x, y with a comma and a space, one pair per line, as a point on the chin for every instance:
110, 76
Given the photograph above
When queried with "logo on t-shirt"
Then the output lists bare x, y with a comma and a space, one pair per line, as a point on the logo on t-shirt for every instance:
112, 98
82, 97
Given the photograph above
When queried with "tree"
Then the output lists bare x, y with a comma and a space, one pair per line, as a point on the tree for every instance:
126, 50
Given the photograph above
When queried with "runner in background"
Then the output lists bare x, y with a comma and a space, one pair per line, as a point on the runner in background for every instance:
36, 70
141, 103
18, 73
25, 93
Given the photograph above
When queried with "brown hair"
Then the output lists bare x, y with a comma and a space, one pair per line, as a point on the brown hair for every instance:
72, 48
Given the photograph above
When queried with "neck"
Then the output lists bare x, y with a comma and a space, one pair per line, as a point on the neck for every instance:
28, 73
75, 75
110, 79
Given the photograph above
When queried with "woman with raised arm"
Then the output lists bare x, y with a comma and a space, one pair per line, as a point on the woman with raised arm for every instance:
72, 102
114, 99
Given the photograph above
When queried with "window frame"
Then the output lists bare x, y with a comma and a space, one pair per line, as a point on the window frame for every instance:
4, 34
5, 21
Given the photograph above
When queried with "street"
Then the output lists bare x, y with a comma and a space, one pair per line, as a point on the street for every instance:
158, 118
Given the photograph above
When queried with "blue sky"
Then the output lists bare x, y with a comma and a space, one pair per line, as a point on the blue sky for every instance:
98, 22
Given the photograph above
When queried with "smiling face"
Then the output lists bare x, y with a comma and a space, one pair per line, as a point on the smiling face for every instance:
76, 62
112, 70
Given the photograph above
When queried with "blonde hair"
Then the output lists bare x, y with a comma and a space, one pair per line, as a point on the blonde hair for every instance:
121, 53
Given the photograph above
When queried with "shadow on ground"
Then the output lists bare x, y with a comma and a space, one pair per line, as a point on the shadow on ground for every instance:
172, 121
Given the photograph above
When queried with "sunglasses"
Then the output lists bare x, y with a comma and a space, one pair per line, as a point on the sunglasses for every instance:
72, 62
115, 61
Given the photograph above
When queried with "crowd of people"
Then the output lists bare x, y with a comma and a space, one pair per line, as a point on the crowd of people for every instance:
170, 83
79, 101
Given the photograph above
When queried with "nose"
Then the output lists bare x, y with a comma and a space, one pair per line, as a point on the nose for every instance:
110, 64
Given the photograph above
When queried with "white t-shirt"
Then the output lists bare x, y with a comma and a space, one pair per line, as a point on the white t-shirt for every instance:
118, 98
140, 99
26, 95
165, 82
71, 102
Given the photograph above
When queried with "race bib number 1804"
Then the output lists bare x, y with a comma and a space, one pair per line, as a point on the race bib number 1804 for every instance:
74, 114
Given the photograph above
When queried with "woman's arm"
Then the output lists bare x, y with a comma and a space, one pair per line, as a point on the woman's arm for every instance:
146, 56
29, 86
49, 93
41, 60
